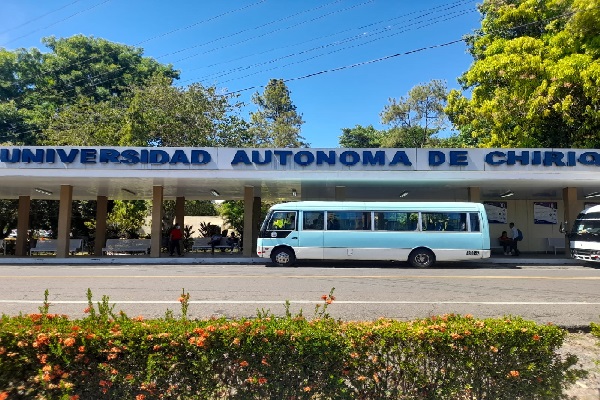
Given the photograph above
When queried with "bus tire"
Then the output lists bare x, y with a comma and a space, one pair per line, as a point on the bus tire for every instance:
421, 258
283, 257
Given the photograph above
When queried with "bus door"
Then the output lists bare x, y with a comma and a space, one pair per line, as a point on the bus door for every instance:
310, 245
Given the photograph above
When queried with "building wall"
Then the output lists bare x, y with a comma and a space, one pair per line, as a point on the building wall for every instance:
521, 213
194, 222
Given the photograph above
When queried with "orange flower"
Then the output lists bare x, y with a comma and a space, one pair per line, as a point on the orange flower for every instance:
69, 342
86, 310
324, 297
74, 397
262, 380
513, 374
3, 395
307, 389
236, 342
536, 337
244, 364
140, 397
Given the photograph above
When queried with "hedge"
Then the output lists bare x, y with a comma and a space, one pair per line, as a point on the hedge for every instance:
113, 356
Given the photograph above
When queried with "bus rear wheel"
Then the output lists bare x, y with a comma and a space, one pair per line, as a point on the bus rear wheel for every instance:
283, 257
421, 258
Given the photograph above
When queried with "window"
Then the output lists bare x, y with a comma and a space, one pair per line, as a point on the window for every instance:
314, 221
396, 221
348, 220
282, 221
474, 219
445, 222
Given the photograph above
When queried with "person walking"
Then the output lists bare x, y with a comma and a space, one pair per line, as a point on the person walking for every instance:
175, 240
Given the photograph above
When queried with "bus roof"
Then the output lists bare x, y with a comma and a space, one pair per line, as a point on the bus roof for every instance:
592, 209
378, 205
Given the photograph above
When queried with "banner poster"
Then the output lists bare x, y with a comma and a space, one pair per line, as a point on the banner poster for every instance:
496, 211
545, 212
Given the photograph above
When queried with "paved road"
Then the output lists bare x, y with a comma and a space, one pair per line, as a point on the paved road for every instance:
564, 295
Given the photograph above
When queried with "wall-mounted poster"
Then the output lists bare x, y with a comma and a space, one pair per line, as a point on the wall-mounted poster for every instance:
496, 211
545, 212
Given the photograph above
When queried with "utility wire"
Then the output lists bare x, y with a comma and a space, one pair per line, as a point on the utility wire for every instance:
379, 31
381, 59
38, 18
58, 22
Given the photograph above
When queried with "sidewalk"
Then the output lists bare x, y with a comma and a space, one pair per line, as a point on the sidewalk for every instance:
238, 258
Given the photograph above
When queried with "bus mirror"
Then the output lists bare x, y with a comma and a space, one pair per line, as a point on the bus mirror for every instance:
563, 229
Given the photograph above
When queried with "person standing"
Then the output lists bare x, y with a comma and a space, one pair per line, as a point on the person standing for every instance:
514, 236
175, 240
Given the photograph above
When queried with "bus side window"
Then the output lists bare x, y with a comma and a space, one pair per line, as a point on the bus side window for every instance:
313, 220
474, 220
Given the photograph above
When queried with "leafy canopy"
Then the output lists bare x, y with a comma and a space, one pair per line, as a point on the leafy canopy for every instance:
535, 76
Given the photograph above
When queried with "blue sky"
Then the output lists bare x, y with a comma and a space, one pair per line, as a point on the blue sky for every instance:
323, 48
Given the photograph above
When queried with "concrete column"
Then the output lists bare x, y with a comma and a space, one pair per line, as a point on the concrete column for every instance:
474, 194
571, 210
22, 225
255, 223
64, 221
157, 213
180, 218
101, 216
340, 193
180, 211
249, 239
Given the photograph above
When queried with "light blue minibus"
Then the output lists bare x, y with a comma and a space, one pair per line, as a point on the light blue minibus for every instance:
417, 232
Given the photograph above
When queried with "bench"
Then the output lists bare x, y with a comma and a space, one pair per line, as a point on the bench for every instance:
51, 245
202, 244
116, 246
555, 244
497, 246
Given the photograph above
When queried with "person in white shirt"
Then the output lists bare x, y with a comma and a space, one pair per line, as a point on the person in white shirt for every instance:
514, 233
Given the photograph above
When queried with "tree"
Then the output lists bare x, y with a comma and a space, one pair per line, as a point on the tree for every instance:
200, 207
232, 212
163, 115
535, 77
127, 218
276, 123
88, 123
361, 137
416, 118
79, 70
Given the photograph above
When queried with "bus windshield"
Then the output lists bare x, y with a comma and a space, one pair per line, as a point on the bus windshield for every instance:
587, 225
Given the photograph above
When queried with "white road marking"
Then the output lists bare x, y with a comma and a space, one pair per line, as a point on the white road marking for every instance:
568, 303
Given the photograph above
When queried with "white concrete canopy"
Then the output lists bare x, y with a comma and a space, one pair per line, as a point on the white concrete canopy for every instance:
130, 173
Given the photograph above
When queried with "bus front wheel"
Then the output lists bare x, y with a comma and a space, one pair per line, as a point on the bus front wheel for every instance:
421, 258
283, 257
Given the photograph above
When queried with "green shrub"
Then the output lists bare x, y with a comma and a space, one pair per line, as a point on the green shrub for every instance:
108, 355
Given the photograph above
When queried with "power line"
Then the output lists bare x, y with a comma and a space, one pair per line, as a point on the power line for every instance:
414, 25
359, 64
58, 22
38, 18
